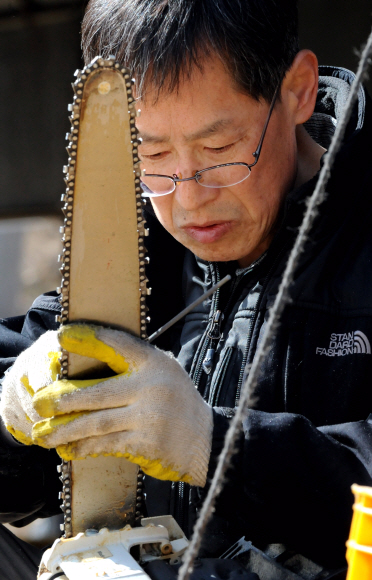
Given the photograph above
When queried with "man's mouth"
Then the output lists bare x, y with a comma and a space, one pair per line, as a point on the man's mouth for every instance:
207, 233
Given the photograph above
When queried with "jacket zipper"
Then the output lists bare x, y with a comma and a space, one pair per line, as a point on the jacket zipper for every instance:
253, 322
216, 388
181, 505
214, 335
213, 332
206, 338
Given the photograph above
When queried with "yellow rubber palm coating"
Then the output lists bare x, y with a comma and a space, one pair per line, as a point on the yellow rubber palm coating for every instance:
55, 365
44, 428
46, 401
21, 437
152, 467
27, 386
81, 339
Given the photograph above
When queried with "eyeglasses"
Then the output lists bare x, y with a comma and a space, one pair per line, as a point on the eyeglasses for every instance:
224, 175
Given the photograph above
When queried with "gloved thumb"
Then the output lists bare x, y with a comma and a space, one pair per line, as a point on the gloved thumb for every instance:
120, 351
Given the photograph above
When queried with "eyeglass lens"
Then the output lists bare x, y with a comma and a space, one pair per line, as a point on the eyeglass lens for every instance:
153, 185
224, 176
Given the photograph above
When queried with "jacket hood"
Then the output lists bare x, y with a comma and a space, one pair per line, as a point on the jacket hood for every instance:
333, 93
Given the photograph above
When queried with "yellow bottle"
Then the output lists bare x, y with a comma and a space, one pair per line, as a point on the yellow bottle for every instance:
359, 545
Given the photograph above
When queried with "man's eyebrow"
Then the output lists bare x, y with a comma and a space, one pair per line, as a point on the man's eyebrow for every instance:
202, 133
153, 139
209, 130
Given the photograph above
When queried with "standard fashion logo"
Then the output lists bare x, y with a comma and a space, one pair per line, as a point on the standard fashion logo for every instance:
348, 343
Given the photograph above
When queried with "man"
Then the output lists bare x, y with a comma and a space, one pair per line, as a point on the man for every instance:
210, 75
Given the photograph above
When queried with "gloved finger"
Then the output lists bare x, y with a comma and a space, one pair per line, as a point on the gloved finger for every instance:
73, 426
14, 416
118, 349
68, 396
122, 444
23, 430
38, 365
20, 436
16, 404
42, 362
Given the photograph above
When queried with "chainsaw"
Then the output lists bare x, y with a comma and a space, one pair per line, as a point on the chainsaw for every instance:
103, 265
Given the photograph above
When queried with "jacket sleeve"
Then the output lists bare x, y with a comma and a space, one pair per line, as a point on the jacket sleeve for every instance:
29, 482
19, 332
290, 481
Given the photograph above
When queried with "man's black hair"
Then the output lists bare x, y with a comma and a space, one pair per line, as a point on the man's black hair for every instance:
162, 40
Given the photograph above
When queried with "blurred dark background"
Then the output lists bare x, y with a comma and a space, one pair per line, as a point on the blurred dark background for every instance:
39, 51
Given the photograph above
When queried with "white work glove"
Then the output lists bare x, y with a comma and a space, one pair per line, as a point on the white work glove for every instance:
34, 368
149, 413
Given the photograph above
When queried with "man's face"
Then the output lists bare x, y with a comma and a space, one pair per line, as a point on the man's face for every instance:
208, 122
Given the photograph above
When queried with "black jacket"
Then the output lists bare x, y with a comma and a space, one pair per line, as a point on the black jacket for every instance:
308, 436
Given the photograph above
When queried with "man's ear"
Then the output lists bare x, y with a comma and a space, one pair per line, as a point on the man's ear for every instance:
300, 86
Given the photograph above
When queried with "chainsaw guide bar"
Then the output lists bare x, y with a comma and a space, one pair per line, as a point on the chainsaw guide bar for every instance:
103, 268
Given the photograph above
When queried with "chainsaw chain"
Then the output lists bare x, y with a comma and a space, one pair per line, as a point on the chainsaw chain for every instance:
67, 198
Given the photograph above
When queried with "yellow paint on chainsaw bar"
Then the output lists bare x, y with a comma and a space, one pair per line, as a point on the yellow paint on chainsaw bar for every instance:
42, 429
81, 339
152, 467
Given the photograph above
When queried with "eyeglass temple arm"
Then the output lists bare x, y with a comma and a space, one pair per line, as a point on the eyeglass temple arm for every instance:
257, 153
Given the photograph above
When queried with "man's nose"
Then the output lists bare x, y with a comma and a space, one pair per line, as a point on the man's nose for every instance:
190, 195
